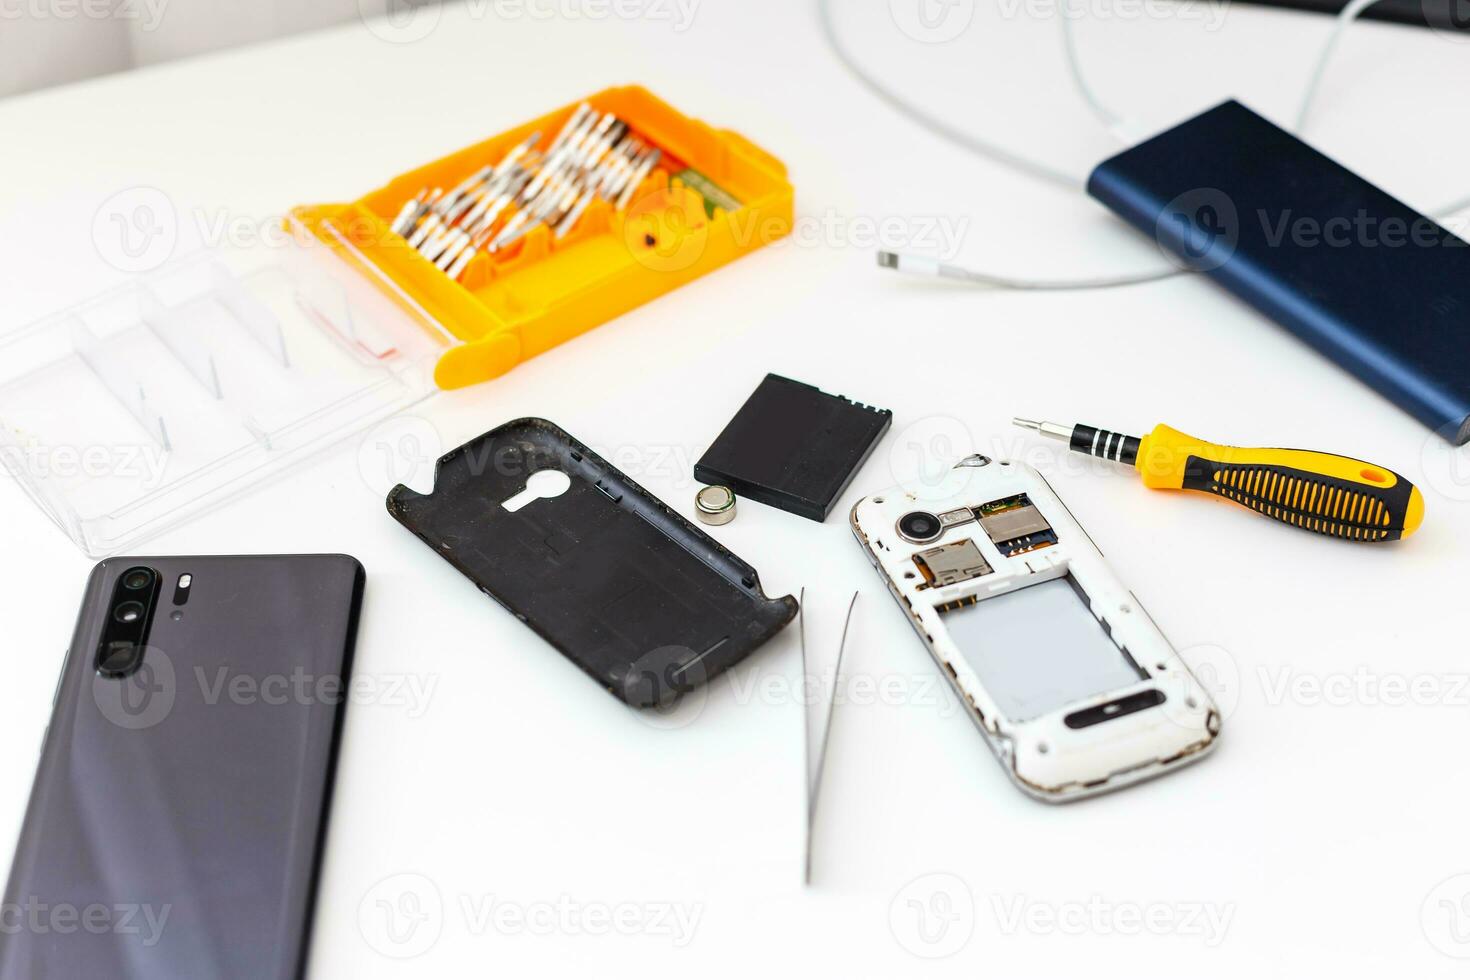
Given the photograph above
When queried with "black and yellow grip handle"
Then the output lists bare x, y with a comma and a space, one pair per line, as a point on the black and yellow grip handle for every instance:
1334, 495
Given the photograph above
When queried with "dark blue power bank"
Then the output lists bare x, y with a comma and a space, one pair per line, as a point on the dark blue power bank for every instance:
1368, 281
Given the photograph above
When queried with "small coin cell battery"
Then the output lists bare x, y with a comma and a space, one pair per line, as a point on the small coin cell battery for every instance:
715, 505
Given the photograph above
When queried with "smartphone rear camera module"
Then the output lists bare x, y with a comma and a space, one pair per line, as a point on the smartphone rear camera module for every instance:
119, 660
920, 527
121, 650
137, 579
128, 612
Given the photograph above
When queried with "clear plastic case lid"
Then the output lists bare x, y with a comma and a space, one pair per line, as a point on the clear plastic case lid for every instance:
142, 407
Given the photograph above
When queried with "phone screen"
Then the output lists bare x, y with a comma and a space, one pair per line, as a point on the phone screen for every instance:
1039, 648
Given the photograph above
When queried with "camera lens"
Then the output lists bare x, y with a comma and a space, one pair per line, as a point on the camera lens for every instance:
137, 579
919, 527
119, 659
128, 612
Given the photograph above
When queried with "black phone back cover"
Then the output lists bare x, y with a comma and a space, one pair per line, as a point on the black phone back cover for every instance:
643, 601
176, 822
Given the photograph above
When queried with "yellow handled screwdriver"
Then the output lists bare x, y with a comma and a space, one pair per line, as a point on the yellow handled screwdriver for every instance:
1334, 495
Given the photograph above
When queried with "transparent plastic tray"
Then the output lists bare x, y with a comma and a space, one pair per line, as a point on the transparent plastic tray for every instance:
142, 407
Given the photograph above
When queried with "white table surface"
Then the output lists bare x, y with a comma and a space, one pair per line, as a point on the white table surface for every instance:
1319, 837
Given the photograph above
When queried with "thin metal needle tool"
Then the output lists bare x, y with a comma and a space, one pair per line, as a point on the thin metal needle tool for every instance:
816, 765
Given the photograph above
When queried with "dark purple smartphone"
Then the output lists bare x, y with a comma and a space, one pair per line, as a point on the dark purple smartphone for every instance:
176, 825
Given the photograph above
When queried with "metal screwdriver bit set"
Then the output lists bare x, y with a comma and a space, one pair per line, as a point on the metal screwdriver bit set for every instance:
595, 155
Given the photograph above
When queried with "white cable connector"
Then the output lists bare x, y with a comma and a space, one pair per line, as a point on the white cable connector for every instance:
920, 265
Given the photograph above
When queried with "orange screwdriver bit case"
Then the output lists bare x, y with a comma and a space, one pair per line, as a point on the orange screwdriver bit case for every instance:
541, 291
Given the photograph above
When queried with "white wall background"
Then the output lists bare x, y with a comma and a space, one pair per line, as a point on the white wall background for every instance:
50, 42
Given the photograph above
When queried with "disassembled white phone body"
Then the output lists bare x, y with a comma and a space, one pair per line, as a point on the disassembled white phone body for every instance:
1069, 680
